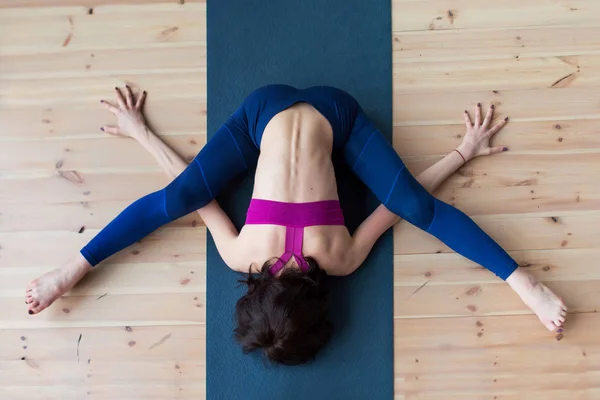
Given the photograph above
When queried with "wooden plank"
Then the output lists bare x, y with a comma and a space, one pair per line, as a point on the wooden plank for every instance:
520, 105
34, 4
64, 91
164, 114
449, 300
515, 169
515, 73
195, 389
104, 344
70, 217
117, 310
543, 137
89, 153
475, 44
55, 29
117, 279
410, 15
479, 356
85, 63
547, 265
107, 361
513, 232
55, 248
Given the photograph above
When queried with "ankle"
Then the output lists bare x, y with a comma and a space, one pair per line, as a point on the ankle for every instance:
77, 267
521, 279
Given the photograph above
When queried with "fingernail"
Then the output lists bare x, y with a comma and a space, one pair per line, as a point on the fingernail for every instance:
492, 106
30, 312
102, 129
504, 149
478, 104
506, 119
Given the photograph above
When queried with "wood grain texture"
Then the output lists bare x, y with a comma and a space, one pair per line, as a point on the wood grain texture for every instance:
134, 329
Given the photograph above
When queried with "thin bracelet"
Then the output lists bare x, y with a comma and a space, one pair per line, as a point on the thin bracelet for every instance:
461, 156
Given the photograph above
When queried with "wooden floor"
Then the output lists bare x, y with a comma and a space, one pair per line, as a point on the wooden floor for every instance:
135, 329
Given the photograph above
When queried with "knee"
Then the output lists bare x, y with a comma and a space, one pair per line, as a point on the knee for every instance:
411, 201
184, 195
417, 211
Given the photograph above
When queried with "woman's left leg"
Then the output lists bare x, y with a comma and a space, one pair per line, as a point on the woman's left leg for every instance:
377, 164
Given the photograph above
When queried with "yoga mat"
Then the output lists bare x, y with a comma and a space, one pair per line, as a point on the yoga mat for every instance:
342, 43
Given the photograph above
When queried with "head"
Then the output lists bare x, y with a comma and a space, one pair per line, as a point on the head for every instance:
285, 316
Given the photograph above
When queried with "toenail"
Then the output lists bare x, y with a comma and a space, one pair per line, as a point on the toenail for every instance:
559, 331
30, 312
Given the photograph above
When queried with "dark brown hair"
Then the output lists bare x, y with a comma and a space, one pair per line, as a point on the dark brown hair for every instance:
284, 315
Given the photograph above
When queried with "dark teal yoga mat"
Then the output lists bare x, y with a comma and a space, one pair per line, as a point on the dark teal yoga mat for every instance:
342, 43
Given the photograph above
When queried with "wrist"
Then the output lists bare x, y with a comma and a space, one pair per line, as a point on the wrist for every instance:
140, 133
467, 152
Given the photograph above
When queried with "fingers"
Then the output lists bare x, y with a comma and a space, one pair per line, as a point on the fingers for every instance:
478, 114
495, 150
468, 120
120, 98
109, 107
140, 101
498, 126
488, 116
112, 130
129, 96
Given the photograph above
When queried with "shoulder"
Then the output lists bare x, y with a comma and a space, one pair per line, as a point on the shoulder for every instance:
332, 251
254, 246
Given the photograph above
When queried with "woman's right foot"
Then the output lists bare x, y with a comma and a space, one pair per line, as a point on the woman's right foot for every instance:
44, 290
549, 308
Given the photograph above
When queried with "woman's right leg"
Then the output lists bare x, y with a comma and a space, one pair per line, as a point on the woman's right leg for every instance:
229, 153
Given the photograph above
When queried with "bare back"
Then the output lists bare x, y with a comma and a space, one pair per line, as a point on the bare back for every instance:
295, 167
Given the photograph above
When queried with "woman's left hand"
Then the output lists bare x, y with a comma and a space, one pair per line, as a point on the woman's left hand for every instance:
476, 141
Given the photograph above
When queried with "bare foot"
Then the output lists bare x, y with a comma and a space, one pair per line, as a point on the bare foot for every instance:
549, 308
46, 289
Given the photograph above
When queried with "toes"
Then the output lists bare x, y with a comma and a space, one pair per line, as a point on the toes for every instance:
550, 325
38, 307
558, 323
29, 300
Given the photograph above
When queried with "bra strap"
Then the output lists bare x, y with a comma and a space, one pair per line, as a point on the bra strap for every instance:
294, 238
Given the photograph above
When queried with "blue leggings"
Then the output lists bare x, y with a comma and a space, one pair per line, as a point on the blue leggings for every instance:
235, 149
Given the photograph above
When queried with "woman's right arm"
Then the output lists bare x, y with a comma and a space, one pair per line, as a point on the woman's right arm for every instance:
193, 188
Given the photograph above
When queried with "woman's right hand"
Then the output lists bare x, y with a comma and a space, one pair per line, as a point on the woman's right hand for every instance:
130, 120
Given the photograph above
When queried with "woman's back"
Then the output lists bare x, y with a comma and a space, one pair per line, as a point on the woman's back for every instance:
295, 166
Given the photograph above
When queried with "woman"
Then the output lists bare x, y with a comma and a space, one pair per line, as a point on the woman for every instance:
290, 134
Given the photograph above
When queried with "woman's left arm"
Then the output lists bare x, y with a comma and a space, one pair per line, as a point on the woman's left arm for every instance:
476, 143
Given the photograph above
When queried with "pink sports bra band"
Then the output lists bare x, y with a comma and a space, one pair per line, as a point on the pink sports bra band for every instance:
295, 217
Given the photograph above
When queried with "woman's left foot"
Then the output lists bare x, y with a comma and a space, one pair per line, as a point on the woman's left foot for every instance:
549, 308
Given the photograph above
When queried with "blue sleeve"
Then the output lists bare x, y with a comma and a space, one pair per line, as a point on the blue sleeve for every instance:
376, 163
229, 153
